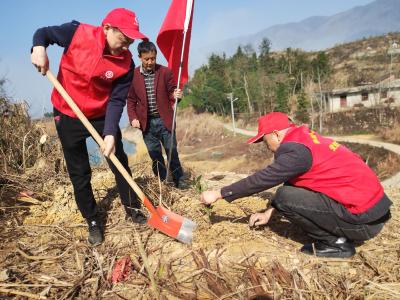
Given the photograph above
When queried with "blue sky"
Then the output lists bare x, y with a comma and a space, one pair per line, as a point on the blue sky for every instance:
214, 20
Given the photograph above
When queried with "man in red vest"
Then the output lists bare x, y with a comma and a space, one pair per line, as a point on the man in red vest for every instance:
328, 190
150, 105
96, 70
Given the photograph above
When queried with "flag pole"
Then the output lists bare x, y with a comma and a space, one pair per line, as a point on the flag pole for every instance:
189, 6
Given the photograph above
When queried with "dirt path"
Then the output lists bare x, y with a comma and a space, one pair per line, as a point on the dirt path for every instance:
370, 140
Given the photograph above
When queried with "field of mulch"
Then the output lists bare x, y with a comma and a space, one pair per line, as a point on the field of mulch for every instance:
44, 253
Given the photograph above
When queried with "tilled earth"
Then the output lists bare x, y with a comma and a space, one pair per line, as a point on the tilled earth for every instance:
44, 253
47, 255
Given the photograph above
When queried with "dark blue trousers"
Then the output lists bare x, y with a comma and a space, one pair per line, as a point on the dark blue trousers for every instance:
156, 135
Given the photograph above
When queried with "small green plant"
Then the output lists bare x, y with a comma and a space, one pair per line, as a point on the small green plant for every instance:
207, 210
198, 185
161, 272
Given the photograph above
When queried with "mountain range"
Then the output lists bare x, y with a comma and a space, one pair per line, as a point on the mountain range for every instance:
321, 32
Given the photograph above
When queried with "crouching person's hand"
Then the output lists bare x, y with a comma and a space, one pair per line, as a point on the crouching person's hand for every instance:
209, 197
258, 219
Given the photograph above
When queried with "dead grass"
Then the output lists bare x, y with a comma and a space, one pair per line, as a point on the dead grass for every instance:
388, 166
26, 152
392, 134
195, 128
48, 257
384, 163
19, 139
364, 60
47, 124
206, 146
44, 253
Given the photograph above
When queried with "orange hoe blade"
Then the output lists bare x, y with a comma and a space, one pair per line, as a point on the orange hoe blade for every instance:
170, 223
161, 218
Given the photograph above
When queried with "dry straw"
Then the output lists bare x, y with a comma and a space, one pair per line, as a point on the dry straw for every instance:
49, 258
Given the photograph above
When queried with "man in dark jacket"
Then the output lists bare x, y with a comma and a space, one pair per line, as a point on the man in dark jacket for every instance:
329, 191
150, 105
96, 70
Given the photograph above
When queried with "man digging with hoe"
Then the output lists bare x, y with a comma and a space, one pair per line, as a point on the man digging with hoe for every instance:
96, 69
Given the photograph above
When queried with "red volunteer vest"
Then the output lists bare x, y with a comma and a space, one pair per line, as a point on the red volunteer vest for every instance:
87, 74
336, 172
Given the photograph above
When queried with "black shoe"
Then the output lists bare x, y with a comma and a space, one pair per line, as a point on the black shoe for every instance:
135, 215
95, 233
182, 184
340, 248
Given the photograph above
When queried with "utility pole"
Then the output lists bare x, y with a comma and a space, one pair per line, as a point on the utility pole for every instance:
246, 89
230, 97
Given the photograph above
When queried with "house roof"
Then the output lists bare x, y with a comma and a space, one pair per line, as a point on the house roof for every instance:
370, 87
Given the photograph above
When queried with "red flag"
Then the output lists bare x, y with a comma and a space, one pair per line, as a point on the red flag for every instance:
177, 22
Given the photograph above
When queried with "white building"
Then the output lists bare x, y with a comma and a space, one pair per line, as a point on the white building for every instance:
386, 92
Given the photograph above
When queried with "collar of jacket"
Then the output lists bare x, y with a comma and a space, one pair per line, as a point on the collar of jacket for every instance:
145, 73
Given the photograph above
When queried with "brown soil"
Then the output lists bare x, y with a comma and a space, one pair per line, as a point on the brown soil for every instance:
44, 250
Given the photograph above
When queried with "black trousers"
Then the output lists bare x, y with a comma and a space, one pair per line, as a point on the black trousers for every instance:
317, 215
73, 135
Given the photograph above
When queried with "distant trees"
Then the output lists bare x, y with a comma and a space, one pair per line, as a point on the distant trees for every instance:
263, 81
281, 98
302, 114
2, 87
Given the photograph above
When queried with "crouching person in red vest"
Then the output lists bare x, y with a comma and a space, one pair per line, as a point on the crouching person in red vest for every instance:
328, 190
96, 70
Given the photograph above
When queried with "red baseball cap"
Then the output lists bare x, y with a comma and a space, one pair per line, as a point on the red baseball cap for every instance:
269, 123
125, 20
